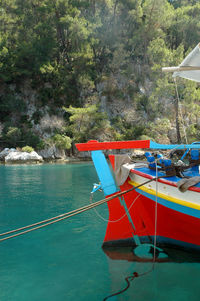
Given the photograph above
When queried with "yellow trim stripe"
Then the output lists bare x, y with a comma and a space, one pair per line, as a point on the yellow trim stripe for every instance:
166, 197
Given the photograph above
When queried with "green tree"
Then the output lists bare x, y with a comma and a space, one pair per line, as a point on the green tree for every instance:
87, 123
12, 136
177, 100
61, 141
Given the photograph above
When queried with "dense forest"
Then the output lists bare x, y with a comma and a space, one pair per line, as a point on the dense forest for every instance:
74, 70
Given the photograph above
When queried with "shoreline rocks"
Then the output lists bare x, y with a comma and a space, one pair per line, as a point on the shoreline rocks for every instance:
6, 152
14, 156
53, 155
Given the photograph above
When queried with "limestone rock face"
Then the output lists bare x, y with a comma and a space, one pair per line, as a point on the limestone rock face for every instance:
47, 153
59, 153
22, 157
84, 155
52, 152
138, 154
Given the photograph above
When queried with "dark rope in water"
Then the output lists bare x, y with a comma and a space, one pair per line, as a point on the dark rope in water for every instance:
128, 280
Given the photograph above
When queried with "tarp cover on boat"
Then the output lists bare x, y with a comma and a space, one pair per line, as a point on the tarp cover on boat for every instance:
193, 59
123, 166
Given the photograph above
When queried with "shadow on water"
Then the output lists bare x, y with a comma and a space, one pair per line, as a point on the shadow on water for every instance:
149, 265
162, 255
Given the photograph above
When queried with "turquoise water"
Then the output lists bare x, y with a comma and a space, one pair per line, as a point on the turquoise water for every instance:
65, 261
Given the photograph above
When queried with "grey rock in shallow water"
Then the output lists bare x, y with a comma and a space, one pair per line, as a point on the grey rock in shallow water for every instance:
22, 157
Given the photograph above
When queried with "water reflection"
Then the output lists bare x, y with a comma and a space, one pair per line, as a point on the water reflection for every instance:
162, 255
136, 276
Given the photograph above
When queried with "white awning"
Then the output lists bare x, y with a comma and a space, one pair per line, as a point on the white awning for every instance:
192, 60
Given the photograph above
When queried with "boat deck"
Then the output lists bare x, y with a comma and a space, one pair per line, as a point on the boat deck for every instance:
149, 173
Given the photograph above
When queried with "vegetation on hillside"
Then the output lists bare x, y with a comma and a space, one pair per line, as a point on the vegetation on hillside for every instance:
59, 59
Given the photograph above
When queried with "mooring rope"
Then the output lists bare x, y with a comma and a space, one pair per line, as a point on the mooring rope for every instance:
119, 219
47, 220
67, 215
52, 220
135, 274
156, 216
128, 280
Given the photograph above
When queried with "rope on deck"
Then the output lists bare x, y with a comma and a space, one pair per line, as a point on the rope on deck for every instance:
67, 215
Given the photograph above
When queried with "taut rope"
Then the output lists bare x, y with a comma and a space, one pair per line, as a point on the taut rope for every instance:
134, 275
67, 215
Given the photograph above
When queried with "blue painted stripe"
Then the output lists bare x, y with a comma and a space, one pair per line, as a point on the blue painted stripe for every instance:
171, 205
155, 145
104, 173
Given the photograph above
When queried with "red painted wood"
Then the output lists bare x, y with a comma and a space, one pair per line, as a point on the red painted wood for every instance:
170, 223
93, 145
112, 161
123, 227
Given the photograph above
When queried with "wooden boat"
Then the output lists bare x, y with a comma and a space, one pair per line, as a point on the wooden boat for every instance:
156, 211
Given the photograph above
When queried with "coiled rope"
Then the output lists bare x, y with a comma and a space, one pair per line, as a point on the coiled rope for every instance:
66, 215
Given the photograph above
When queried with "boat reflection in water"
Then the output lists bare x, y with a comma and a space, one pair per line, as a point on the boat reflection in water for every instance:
144, 273
145, 253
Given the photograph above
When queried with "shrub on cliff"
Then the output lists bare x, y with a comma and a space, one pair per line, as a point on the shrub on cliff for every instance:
88, 123
27, 149
61, 141
11, 136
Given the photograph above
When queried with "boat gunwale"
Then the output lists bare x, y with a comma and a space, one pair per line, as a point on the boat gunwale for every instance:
164, 181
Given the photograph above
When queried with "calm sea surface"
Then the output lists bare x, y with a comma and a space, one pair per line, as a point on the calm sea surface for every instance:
65, 261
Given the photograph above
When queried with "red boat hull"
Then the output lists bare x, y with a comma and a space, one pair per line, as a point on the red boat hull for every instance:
154, 213
172, 226
148, 219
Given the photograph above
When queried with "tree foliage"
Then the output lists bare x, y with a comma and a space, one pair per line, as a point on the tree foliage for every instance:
88, 123
65, 49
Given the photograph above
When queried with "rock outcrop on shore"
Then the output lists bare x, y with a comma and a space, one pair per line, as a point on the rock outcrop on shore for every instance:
14, 156
52, 153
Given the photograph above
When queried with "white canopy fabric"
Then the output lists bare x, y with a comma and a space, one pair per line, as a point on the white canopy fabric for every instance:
192, 60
